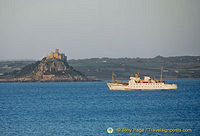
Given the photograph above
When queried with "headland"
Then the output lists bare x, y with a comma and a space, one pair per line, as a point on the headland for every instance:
52, 68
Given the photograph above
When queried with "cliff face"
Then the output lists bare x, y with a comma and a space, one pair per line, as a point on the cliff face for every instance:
51, 69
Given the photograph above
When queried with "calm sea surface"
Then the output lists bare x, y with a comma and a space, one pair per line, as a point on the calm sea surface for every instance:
89, 108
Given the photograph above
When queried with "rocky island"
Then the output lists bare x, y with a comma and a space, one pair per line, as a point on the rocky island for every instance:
52, 68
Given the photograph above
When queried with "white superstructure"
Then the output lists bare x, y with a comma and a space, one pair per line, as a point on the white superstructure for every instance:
135, 83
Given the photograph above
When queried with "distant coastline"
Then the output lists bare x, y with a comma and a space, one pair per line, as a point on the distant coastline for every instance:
179, 67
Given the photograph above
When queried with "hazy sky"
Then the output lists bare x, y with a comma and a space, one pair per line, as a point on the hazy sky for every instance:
29, 29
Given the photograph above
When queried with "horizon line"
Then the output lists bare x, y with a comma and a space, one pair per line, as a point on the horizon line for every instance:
107, 58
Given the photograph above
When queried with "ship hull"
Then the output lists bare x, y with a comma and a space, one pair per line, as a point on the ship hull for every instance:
114, 86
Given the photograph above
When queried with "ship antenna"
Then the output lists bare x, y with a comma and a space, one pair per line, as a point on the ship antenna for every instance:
112, 77
161, 74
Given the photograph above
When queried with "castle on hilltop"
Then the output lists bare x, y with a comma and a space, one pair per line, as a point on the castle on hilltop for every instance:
57, 55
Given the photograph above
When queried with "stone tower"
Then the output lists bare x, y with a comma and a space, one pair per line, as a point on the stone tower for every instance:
57, 55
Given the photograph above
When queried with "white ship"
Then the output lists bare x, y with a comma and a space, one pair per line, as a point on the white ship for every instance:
135, 83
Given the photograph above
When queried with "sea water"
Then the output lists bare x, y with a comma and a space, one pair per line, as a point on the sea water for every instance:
89, 108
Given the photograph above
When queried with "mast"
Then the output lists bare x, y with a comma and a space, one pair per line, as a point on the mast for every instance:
161, 74
112, 77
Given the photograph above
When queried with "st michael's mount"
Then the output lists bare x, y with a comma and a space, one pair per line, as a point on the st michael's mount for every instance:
52, 68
